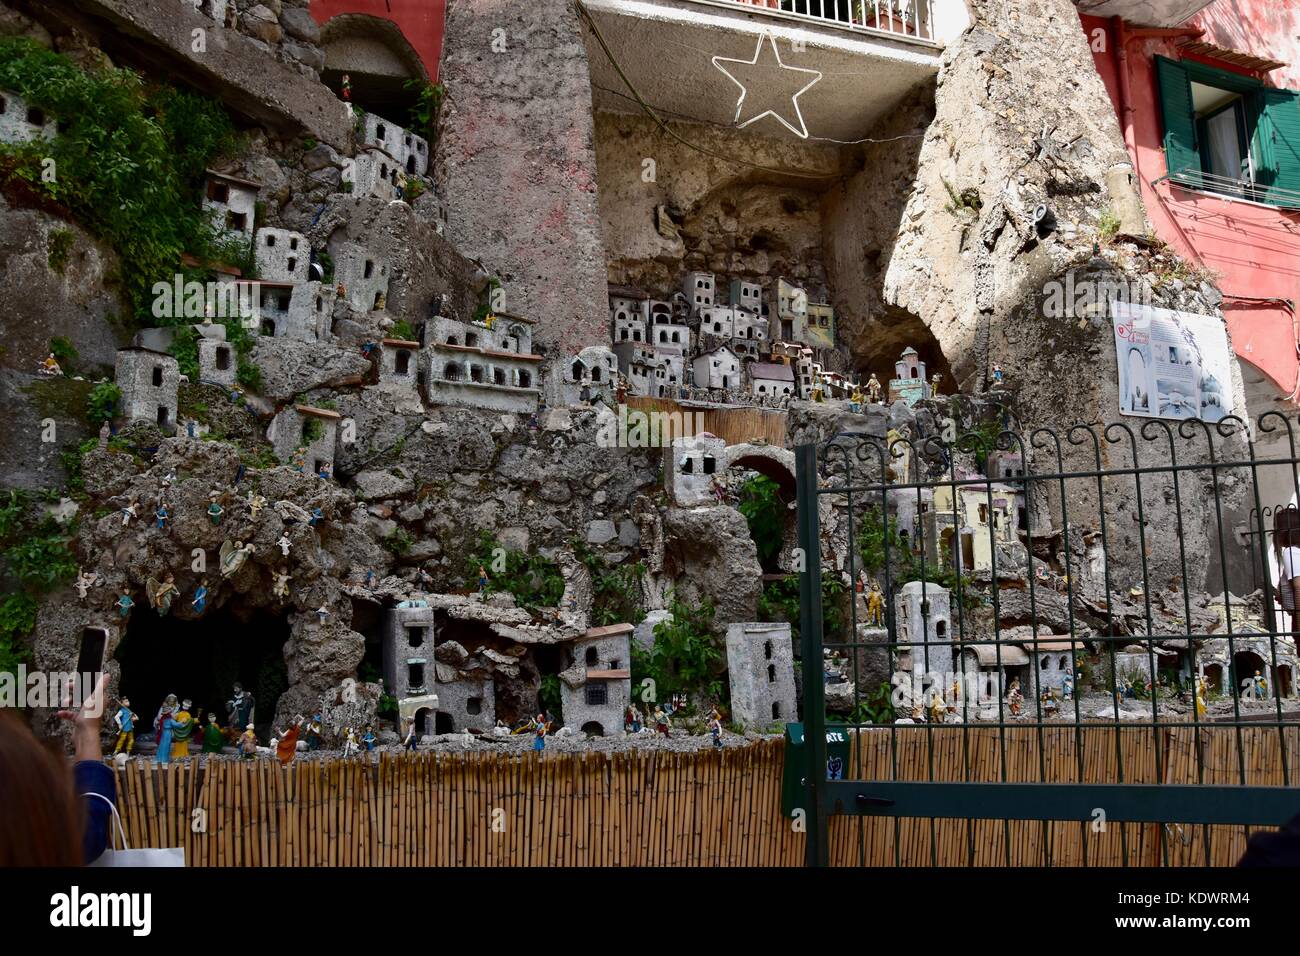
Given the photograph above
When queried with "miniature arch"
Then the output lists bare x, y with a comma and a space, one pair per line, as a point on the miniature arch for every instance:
378, 60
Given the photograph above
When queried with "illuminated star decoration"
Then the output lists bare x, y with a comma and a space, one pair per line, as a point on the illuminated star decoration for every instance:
789, 73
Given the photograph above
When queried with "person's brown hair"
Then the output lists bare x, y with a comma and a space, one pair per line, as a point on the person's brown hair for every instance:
41, 822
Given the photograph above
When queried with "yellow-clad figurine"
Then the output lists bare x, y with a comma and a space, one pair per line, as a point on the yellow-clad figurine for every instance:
1202, 693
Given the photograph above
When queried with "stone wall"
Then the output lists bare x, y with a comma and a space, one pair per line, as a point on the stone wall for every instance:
517, 122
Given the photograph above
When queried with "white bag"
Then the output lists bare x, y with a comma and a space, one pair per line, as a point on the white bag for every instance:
129, 857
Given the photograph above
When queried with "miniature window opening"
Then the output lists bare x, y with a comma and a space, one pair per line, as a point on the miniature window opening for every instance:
402, 363
613, 664
443, 724
293, 264
593, 728
415, 675
369, 269
1046, 663
282, 301
319, 465
4, 105
525, 379
268, 327
710, 464
236, 221
162, 415
577, 370
452, 340
592, 657
157, 376
595, 373
218, 192
471, 339
597, 694
320, 304
1065, 662
622, 334
293, 245
410, 165
379, 301
452, 372
771, 673
414, 636
223, 359
498, 376
767, 650
688, 465
476, 373
776, 710
940, 628
270, 240
474, 705
381, 133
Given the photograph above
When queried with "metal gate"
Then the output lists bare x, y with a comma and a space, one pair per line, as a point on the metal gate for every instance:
1067, 636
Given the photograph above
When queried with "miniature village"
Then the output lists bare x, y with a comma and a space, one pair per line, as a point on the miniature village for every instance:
344, 495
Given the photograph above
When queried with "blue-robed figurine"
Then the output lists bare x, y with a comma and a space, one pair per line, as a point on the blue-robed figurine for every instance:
200, 602
166, 726
124, 605
161, 516
316, 517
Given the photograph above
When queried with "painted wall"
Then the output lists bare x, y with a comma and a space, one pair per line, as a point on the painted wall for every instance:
1254, 249
421, 21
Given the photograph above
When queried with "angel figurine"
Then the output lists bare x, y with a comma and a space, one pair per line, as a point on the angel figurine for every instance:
280, 588
85, 581
255, 504
161, 594
233, 557
283, 544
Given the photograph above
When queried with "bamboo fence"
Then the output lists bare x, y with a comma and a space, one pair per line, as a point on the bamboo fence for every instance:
737, 424
656, 808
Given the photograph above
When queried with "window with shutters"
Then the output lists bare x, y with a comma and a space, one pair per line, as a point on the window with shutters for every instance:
1229, 134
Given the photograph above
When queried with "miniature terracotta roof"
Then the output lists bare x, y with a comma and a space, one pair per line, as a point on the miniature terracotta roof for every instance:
772, 370
318, 412
481, 351
1245, 61
193, 263
233, 179
609, 675
608, 630
400, 343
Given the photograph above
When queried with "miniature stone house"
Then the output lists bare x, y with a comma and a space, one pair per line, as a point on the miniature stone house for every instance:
748, 325
746, 295
232, 201
595, 369
409, 151
375, 173
772, 380
924, 629
466, 704
791, 312
719, 368
478, 365
988, 670
819, 330
760, 669
718, 320
409, 637
669, 335
629, 314
964, 537
596, 689
363, 278
696, 460
213, 9
305, 426
218, 363
297, 311
148, 381
699, 290
282, 255
1052, 659
21, 122
399, 363
909, 383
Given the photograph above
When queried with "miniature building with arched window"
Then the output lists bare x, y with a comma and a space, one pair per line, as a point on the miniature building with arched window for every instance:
218, 363
629, 314
596, 687
593, 370
362, 276
760, 670
719, 368
148, 381
698, 287
923, 620
482, 364
399, 363
282, 255
909, 383
409, 639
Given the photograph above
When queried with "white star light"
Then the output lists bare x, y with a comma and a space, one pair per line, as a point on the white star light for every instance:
801, 130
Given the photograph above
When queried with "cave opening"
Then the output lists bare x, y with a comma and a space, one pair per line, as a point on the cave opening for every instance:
202, 660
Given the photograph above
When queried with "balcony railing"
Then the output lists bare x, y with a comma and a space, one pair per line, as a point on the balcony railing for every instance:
913, 19
1243, 188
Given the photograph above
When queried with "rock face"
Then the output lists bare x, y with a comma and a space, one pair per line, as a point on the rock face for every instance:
711, 557
519, 114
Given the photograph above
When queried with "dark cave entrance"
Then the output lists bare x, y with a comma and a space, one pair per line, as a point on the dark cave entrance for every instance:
201, 661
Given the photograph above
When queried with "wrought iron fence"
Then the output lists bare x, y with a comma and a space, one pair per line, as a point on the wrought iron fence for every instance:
912, 19
1087, 626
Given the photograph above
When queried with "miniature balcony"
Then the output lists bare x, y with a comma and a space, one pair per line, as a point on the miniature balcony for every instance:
871, 54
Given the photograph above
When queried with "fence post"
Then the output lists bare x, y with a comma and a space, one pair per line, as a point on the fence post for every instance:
810, 642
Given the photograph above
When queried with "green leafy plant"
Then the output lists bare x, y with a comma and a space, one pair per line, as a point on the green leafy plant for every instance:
685, 657
760, 502
533, 581
876, 708
101, 403
65, 353
549, 698
401, 329
616, 591
1108, 224
399, 542
130, 158
312, 429
428, 103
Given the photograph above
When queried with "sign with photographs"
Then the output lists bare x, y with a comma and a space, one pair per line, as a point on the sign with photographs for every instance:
1171, 364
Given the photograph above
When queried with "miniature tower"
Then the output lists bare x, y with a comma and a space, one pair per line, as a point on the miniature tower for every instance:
596, 689
148, 381
760, 667
924, 638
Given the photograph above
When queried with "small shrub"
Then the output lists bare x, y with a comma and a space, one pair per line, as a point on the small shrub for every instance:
101, 403
61, 241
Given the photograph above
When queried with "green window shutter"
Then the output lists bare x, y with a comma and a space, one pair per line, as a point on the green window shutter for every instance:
1179, 116
1280, 145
